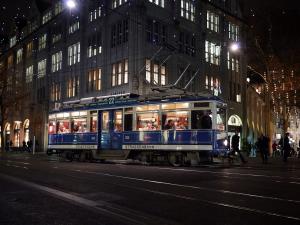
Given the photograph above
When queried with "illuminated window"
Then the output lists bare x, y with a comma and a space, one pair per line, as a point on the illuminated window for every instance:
42, 41
212, 53
58, 8
155, 73
42, 68
95, 13
233, 32
55, 92
188, 9
46, 17
10, 61
120, 73
19, 55
29, 49
56, 64
72, 87
117, 3
95, 44
94, 80
74, 54
74, 27
12, 41
212, 21
233, 62
160, 3
29, 74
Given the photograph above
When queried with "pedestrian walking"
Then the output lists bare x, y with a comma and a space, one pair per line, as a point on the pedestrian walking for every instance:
286, 147
235, 141
265, 149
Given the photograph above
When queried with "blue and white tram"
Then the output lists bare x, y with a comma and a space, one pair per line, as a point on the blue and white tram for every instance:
178, 129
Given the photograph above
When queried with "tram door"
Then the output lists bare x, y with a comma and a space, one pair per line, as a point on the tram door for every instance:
105, 129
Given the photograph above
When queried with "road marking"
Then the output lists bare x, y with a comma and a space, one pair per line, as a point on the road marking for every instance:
218, 204
117, 212
227, 173
193, 187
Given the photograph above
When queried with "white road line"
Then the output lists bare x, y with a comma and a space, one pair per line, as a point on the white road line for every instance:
119, 213
226, 173
194, 187
219, 204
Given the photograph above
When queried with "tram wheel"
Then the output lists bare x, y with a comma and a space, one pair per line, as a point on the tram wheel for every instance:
175, 159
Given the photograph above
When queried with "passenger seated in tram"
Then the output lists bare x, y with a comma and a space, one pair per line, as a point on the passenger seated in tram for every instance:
169, 125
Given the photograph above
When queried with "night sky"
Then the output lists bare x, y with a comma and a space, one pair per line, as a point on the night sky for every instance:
282, 15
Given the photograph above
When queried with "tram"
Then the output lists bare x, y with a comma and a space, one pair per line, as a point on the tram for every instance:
179, 129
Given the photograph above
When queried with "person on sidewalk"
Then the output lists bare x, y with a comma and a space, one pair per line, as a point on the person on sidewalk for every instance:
235, 141
265, 148
286, 147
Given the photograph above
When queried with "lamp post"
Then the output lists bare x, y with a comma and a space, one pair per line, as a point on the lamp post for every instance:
71, 4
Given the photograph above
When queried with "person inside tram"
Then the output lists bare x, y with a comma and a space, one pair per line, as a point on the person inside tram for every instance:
170, 125
206, 122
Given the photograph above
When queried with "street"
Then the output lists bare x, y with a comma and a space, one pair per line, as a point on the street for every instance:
42, 190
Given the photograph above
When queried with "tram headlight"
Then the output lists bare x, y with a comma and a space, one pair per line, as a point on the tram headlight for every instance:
225, 142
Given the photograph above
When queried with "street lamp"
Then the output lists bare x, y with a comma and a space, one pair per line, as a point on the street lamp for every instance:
71, 4
234, 47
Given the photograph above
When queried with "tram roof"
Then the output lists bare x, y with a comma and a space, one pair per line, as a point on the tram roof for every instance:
125, 100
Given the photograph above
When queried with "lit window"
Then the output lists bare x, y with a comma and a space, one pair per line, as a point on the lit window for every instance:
155, 73
55, 92
29, 49
188, 9
212, 21
19, 55
42, 41
212, 53
72, 87
117, 3
29, 74
95, 14
46, 17
74, 27
42, 68
74, 54
12, 41
233, 32
94, 80
120, 73
58, 8
10, 61
56, 64
160, 3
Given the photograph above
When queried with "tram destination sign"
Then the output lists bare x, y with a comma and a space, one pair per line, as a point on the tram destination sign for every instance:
112, 101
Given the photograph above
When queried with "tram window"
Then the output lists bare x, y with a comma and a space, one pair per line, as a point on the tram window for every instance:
128, 122
147, 108
148, 121
201, 119
105, 121
63, 126
52, 127
175, 120
221, 118
79, 125
93, 122
118, 126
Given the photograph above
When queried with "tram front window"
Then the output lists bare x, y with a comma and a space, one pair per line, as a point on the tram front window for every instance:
201, 119
93, 122
221, 118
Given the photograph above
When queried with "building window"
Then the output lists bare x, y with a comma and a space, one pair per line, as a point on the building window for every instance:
74, 54
233, 63
19, 55
233, 32
160, 3
10, 61
213, 84
119, 73
46, 17
187, 44
58, 8
117, 3
29, 74
188, 9
56, 38
119, 33
212, 53
29, 49
94, 80
155, 74
42, 41
212, 21
56, 64
74, 27
156, 32
12, 41
42, 68
55, 92
94, 45
95, 14
72, 87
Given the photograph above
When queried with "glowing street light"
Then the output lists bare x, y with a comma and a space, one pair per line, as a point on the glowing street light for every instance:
234, 47
71, 4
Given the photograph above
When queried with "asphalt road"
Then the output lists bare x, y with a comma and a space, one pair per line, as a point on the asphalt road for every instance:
42, 190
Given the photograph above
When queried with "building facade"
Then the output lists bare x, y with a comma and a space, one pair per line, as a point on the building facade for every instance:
110, 47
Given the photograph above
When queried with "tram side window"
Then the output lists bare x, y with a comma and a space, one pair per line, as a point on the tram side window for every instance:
201, 119
79, 125
52, 127
63, 126
148, 121
93, 122
128, 122
105, 121
118, 126
175, 120
221, 118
